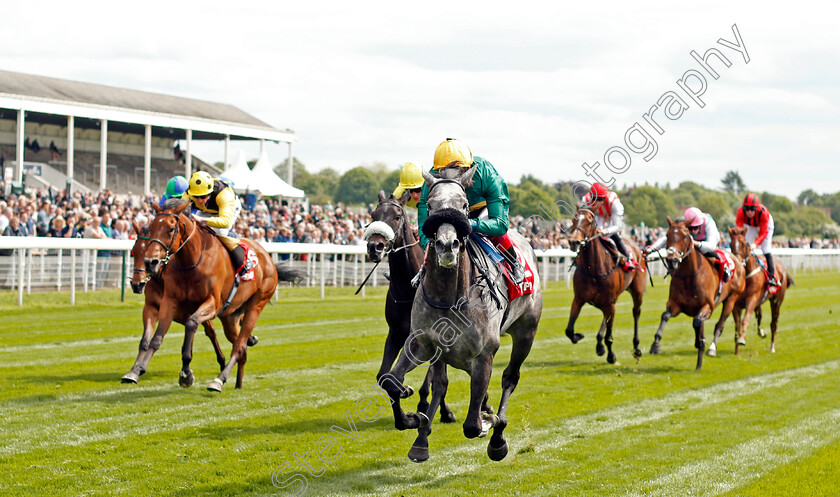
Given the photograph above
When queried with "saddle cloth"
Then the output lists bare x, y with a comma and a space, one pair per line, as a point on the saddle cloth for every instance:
250, 260
729, 263
514, 291
767, 286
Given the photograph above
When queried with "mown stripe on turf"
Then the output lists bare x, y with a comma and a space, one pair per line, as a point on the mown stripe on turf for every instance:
754, 459
451, 462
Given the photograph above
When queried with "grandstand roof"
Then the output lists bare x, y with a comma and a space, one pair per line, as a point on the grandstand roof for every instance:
36, 93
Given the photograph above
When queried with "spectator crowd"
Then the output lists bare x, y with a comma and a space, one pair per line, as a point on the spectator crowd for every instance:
105, 215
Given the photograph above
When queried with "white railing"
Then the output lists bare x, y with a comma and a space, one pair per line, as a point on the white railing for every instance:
49, 264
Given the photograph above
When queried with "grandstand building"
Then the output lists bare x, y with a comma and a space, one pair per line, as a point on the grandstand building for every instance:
60, 133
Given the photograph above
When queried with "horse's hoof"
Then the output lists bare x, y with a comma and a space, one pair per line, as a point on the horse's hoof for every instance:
497, 453
447, 417
574, 337
762, 333
185, 380
424, 420
408, 392
600, 349
215, 385
252, 340
611, 358
654, 349
772, 349
741, 341
637, 354
130, 377
418, 454
711, 353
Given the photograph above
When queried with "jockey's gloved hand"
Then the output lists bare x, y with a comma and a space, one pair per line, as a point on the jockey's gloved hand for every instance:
473, 224
752, 246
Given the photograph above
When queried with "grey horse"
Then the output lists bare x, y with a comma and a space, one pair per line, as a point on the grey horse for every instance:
458, 318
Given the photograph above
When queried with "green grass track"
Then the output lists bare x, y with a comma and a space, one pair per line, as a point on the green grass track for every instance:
756, 424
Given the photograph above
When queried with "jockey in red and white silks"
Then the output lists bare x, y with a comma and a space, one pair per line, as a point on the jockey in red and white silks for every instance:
609, 218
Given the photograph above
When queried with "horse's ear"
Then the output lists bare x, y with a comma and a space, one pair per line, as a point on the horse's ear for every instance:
136, 228
430, 180
382, 195
670, 223
181, 208
156, 207
466, 178
404, 198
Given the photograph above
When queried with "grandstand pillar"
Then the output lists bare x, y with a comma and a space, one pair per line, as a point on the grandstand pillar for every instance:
103, 154
262, 146
227, 151
71, 127
290, 165
21, 117
188, 161
147, 162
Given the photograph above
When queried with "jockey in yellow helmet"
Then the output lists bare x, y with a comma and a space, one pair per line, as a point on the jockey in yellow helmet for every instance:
218, 207
411, 180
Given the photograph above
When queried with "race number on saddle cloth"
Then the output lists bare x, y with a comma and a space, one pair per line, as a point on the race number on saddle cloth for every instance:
217, 207
724, 264
514, 290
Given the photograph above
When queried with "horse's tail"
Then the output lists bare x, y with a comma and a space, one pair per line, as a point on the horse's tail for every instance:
790, 281
286, 273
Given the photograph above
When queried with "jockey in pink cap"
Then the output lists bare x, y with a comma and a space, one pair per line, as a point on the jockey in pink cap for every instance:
706, 236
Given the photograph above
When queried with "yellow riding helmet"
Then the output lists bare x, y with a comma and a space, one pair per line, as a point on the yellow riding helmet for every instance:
201, 184
453, 151
411, 176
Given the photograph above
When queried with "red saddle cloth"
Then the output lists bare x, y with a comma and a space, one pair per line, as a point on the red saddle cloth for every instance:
527, 286
250, 259
729, 263
772, 289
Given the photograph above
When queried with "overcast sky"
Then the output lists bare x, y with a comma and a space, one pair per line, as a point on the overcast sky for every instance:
535, 88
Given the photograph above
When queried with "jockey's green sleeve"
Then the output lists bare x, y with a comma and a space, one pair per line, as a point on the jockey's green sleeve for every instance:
488, 189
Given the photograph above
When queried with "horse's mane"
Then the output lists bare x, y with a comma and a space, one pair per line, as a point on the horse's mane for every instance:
455, 172
171, 203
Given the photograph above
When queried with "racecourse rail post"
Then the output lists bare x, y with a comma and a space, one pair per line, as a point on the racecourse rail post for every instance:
122, 286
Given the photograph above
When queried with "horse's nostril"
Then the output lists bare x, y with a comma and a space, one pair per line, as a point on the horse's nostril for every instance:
455, 245
380, 247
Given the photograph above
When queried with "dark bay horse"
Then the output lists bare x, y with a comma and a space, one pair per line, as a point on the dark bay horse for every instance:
599, 280
458, 318
694, 288
756, 291
390, 235
199, 279
152, 288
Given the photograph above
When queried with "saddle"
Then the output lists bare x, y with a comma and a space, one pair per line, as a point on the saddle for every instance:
609, 244
514, 291
771, 289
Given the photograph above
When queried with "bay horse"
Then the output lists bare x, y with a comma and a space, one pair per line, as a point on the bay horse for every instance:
756, 291
694, 288
390, 234
200, 277
599, 281
458, 319
152, 288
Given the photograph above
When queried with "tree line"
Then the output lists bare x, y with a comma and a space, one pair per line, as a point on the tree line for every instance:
812, 215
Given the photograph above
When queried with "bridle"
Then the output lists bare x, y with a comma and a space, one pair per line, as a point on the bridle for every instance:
577, 227
401, 230
746, 260
682, 254
168, 247
138, 270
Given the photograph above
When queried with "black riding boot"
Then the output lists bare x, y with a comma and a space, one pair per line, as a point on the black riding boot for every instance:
517, 271
237, 257
619, 244
726, 273
771, 269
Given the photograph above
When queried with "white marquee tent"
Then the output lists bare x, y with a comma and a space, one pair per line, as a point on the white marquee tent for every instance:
261, 178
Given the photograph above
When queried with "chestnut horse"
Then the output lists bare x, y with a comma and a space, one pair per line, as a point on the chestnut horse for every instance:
153, 288
599, 281
200, 277
390, 234
756, 291
694, 288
